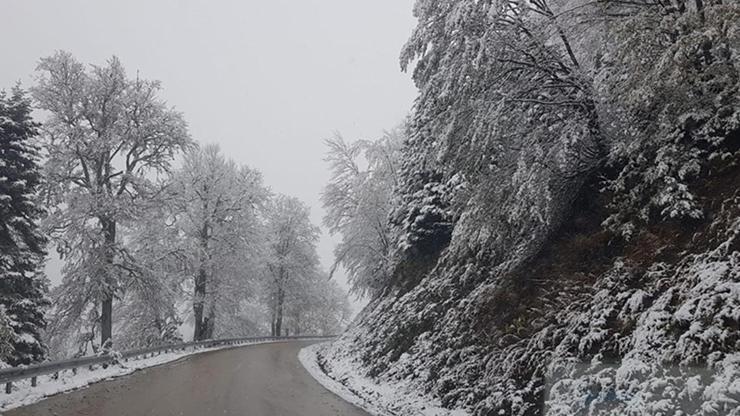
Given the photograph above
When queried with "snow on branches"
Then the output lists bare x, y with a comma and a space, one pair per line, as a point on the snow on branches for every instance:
545, 133
105, 136
23, 299
358, 203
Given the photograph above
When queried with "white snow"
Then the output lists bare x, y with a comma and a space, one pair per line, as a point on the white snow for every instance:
342, 378
24, 394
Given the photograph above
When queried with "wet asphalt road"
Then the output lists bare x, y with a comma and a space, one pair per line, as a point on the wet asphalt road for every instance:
258, 380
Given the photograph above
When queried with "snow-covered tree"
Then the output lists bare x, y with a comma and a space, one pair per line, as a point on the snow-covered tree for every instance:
22, 245
105, 138
215, 207
507, 115
321, 307
291, 256
478, 64
358, 203
151, 306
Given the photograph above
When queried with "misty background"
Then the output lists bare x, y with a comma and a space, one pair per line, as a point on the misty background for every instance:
268, 81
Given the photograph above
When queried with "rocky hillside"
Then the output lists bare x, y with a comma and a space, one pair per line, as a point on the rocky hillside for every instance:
566, 225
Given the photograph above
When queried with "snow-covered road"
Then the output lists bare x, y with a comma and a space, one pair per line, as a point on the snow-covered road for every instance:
257, 380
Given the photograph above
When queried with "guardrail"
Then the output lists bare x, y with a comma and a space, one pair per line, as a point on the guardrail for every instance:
9, 375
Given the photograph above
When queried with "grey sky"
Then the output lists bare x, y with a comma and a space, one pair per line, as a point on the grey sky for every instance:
267, 80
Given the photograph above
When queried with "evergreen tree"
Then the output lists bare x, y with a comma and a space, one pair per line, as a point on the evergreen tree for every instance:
22, 245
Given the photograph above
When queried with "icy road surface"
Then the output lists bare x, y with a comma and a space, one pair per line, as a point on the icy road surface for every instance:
257, 380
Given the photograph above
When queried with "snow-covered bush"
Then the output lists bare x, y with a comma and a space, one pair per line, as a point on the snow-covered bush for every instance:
6, 338
683, 114
358, 202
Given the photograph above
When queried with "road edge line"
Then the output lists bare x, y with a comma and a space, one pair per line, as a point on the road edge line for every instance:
308, 357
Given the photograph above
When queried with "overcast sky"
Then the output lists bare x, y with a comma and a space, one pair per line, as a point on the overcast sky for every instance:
267, 80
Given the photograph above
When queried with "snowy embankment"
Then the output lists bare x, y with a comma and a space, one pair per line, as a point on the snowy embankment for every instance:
24, 394
341, 376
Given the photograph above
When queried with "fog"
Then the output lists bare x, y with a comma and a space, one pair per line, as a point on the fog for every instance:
266, 80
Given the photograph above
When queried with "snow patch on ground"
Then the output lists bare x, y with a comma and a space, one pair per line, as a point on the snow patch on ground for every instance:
24, 394
387, 399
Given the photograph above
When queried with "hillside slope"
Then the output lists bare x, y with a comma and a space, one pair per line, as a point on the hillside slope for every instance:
568, 220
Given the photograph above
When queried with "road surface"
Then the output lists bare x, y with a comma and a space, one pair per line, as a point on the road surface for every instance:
258, 380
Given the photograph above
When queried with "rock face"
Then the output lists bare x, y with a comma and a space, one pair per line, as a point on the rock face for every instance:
606, 284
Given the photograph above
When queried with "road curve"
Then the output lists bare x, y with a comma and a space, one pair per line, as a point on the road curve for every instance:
258, 380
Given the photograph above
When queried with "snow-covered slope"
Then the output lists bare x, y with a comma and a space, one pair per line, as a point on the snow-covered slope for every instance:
389, 398
567, 284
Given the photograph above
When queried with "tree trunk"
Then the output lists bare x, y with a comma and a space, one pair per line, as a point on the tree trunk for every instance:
198, 303
273, 316
199, 298
279, 311
210, 323
106, 322
297, 323
106, 312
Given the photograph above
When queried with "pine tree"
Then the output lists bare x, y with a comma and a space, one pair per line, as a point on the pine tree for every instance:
22, 245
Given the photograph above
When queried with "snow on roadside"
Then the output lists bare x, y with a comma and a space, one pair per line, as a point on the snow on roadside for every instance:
24, 394
392, 399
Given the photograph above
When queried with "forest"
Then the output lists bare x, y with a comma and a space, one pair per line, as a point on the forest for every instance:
555, 229
162, 238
